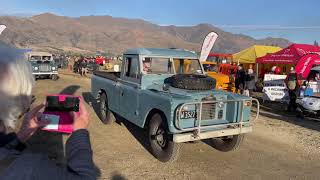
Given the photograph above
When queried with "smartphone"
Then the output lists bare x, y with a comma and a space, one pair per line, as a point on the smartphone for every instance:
53, 103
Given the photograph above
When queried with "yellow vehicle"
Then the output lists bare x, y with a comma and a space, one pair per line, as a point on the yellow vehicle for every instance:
223, 81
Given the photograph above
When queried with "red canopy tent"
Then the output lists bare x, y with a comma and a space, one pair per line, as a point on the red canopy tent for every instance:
302, 56
290, 55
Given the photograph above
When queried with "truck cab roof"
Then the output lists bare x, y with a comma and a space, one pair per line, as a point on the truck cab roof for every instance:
174, 53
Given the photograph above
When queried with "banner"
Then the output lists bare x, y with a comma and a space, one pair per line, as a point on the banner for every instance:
306, 63
274, 88
2, 27
207, 45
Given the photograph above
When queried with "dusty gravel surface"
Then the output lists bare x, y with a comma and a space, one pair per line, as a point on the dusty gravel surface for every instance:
281, 146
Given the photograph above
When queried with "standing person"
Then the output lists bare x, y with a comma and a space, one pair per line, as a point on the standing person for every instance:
250, 80
16, 83
83, 67
80, 63
292, 83
240, 79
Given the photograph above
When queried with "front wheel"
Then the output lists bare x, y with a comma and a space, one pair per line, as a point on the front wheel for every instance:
161, 145
54, 77
229, 143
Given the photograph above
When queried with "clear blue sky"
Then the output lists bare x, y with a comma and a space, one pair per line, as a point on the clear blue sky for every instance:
297, 20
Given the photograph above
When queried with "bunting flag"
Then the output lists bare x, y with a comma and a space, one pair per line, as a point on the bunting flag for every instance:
207, 45
2, 27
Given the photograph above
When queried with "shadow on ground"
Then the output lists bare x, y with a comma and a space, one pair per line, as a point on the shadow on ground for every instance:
51, 143
139, 134
275, 110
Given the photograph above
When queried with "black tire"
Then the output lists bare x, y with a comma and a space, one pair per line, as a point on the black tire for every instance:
191, 82
161, 145
106, 116
54, 77
227, 144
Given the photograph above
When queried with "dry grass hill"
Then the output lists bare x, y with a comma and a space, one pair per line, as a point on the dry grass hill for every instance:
105, 33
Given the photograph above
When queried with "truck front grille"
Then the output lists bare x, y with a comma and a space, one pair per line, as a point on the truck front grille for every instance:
44, 67
208, 111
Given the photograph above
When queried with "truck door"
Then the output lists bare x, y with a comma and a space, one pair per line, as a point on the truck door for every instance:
130, 88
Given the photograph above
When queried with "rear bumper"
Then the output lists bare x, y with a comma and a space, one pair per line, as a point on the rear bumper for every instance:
186, 137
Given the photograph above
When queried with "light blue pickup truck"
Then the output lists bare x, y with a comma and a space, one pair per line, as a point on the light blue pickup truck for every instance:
167, 92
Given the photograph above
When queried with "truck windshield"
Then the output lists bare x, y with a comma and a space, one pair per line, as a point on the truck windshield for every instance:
35, 58
40, 58
210, 67
187, 66
157, 65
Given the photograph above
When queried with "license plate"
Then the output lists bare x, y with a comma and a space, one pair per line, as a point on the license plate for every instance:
188, 114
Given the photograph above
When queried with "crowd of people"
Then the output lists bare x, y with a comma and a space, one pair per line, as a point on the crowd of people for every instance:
244, 80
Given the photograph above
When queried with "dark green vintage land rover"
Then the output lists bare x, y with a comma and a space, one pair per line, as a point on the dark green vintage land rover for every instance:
43, 65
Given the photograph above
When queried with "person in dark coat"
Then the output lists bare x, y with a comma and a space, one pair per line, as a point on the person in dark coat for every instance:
293, 84
16, 161
240, 79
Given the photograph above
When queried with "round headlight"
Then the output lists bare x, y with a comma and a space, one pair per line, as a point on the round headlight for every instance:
36, 68
220, 104
185, 108
53, 68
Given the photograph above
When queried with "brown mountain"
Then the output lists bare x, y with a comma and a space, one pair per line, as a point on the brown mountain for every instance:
109, 34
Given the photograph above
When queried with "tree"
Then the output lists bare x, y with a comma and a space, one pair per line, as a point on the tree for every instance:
75, 39
315, 43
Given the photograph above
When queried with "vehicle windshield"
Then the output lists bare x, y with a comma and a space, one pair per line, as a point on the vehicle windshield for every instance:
210, 67
160, 65
157, 65
187, 66
40, 58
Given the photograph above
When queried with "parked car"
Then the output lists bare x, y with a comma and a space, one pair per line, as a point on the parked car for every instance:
309, 103
43, 65
167, 92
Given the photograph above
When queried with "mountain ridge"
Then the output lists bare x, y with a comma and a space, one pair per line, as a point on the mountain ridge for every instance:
51, 32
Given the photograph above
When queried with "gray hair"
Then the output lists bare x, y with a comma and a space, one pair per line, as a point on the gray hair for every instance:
16, 83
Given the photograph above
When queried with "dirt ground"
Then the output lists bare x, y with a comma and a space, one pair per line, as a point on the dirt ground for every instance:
281, 146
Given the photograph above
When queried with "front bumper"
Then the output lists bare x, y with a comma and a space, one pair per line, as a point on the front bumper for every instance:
45, 73
186, 137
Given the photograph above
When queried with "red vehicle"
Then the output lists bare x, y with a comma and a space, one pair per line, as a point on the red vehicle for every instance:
101, 60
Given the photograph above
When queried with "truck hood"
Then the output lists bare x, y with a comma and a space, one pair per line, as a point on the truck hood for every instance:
155, 83
191, 94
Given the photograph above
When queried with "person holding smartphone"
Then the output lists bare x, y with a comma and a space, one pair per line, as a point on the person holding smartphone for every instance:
16, 83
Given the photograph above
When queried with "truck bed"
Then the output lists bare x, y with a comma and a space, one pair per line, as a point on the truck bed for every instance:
108, 75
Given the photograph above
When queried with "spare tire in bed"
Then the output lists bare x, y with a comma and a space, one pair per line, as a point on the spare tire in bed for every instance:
191, 82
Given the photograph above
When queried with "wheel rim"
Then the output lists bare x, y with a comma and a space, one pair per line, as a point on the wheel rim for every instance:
103, 108
161, 137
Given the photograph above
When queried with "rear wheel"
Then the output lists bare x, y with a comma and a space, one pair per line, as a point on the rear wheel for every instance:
106, 115
229, 143
54, 77
162, 146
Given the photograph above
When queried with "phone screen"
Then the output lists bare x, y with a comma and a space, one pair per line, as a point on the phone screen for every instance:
70, 104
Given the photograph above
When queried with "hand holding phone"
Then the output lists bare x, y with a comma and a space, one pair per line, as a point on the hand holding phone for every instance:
81, 120
60, 110
62, 103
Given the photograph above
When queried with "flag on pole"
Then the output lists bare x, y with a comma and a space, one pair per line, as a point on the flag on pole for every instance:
207, 45
2, 27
